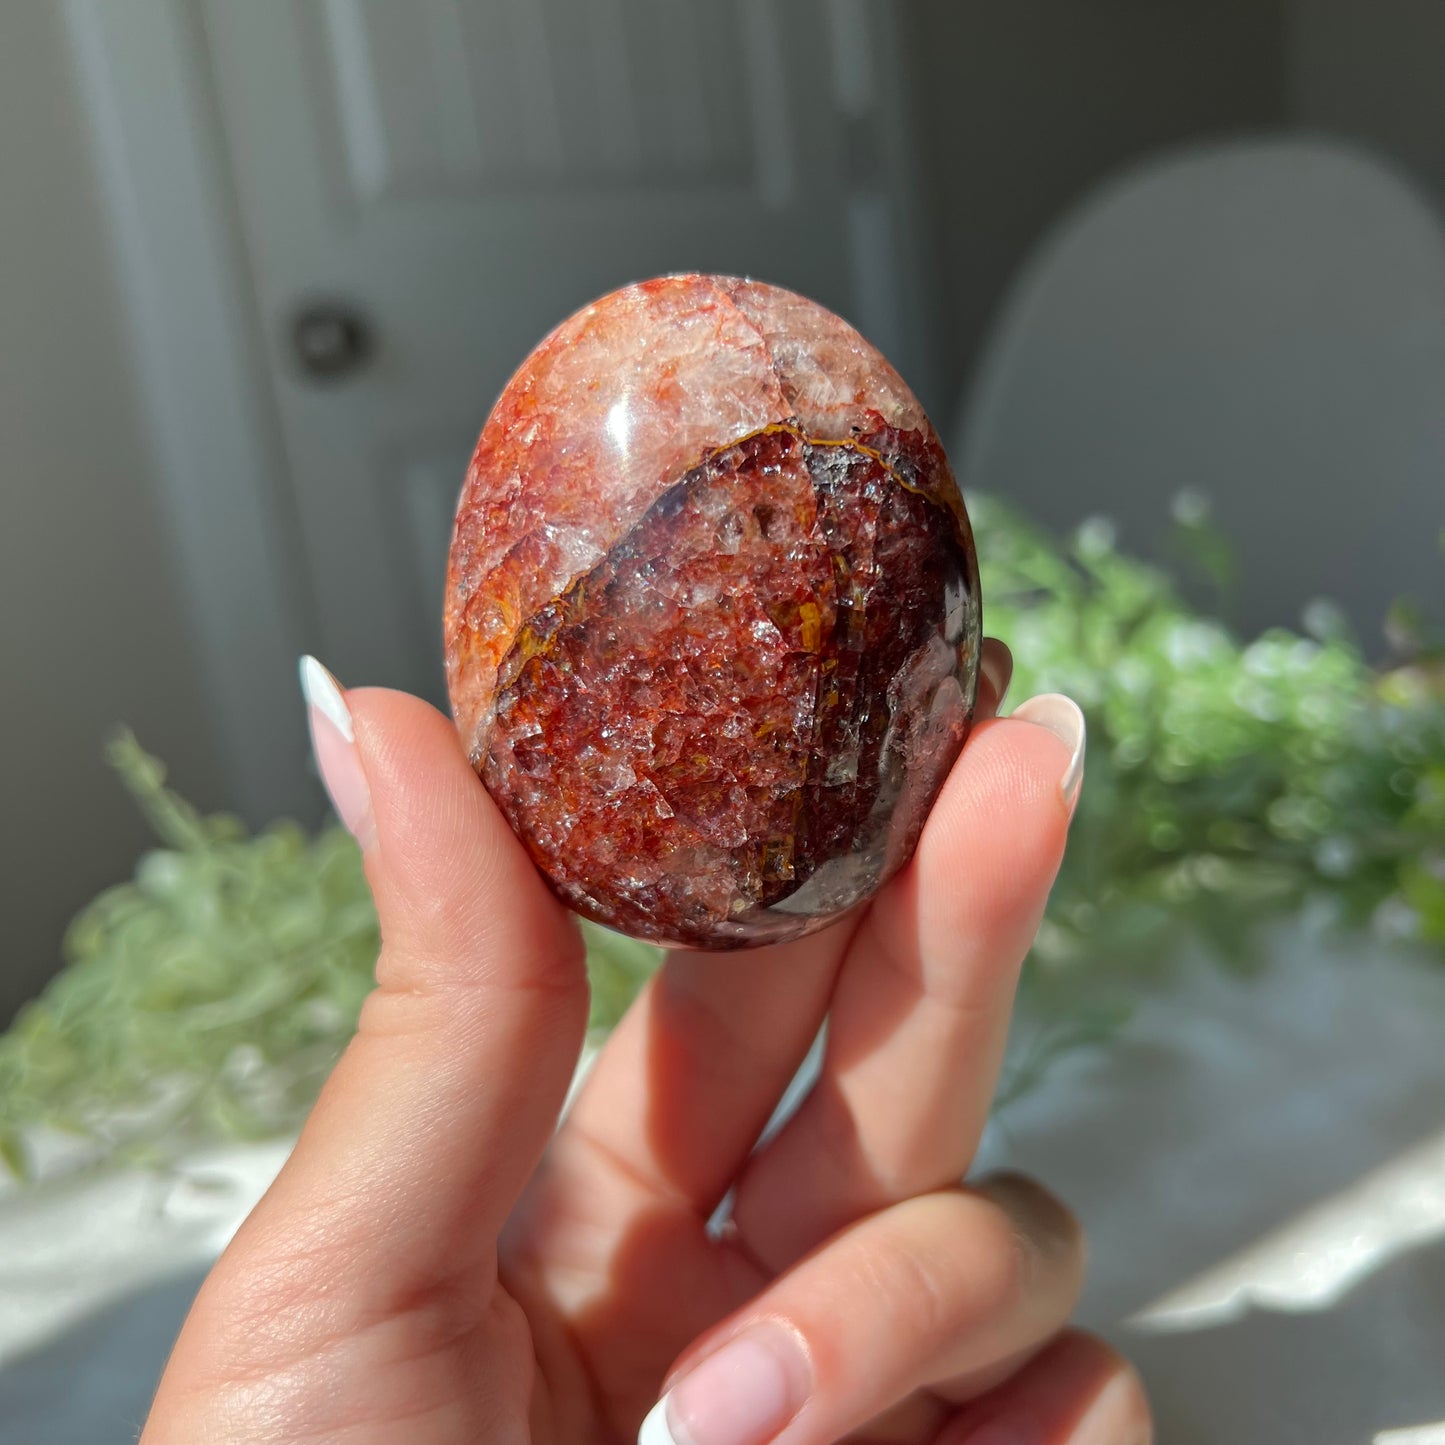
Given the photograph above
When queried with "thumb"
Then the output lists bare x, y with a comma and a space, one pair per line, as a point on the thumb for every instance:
439, 1109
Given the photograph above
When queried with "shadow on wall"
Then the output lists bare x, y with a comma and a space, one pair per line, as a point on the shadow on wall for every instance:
1261, 322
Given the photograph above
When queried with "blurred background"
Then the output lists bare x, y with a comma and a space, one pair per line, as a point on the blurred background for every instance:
265, 266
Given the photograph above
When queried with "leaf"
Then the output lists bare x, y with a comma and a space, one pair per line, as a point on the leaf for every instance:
14, 1155
617, 967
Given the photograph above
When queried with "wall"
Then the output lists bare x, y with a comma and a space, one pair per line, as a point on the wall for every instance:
91, 630
1373, 73
1259, 321
1308, 414
1019, 110
1021, 107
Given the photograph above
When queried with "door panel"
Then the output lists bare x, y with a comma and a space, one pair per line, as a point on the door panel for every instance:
461, 174
515, 94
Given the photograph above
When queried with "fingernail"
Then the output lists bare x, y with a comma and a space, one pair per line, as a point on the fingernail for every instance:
1063, 717
1113, 1418
743, 1394
997, 665
1042, 1221
333, 741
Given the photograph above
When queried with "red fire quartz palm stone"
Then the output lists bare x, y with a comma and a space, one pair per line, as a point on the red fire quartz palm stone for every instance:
712, 615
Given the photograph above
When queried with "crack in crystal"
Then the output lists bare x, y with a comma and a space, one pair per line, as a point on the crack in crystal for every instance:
837, 732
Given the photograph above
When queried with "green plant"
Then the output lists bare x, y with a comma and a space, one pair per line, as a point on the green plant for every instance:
210, 995
1226, 784
1226, 781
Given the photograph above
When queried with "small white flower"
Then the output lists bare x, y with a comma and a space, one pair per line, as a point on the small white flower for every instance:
1097, 536
1190, 508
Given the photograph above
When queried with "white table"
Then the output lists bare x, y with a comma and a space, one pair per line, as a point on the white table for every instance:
1261, 1168
1260, 1163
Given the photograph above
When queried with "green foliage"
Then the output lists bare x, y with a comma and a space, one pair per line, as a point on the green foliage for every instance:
616, 968
208, 996
1226, 783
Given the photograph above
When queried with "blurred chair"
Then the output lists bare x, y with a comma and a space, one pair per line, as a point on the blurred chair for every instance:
1260, 321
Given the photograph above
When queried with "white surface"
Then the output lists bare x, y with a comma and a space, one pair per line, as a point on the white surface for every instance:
72, 1247
1317, 1258
1243, 1138
1415, 1435
1260, 1164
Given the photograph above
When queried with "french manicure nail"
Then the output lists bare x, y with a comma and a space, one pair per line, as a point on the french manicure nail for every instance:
742, 1394
1116, 1417
997, 665
333, 741
1063, 1403
1063, 717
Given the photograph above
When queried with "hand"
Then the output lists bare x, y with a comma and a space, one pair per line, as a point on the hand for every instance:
435, 1265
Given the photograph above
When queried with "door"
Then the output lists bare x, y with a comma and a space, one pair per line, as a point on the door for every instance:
427, 188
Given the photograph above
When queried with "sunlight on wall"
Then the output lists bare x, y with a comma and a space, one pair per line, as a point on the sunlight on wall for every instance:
1415, 1435
1315, 1259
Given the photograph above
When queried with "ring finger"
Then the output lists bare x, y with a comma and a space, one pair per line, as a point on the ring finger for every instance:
945, 1293
920, 1013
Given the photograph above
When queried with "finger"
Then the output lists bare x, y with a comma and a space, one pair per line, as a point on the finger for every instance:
708, 1039
692, 1073
936, 1290
666, 1118
919, 1016
442, 1103
1078, 1391
995, 672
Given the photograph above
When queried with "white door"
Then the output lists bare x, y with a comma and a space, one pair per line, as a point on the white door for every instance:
435, 183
